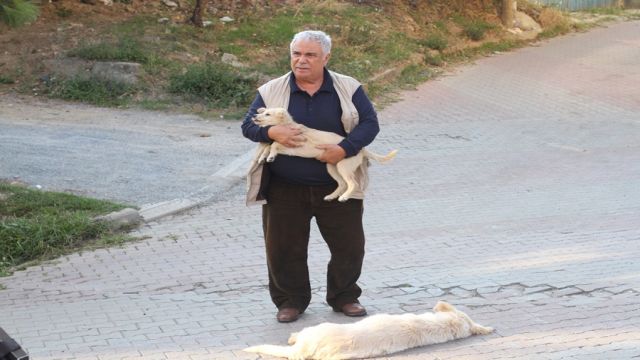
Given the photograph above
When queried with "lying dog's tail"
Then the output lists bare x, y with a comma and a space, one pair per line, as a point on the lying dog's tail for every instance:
274, 350
380, 158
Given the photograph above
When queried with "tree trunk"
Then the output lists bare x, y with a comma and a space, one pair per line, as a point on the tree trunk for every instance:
196, 18
508, 13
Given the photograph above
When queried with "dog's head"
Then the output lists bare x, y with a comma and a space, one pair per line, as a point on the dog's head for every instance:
272, 116
474, 328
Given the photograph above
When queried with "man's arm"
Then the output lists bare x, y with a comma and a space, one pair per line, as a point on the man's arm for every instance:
367, 129
360, 136
251, 130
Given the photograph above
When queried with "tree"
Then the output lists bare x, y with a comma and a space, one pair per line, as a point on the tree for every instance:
196, 18
507, 13
17, 12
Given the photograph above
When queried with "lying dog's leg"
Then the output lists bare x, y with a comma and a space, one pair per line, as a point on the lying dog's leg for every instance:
342, 186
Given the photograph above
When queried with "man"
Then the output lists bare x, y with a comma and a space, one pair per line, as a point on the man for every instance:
294, 187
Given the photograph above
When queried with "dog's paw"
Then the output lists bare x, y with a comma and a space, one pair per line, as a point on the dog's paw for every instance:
271, 159
343, 198
329, 198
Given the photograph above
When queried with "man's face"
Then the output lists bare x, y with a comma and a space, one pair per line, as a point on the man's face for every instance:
307, 60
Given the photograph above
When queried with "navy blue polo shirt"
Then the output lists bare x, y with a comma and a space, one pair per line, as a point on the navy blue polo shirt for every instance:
321, 111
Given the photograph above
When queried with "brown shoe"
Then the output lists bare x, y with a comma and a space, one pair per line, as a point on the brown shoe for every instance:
354, 309
286, 315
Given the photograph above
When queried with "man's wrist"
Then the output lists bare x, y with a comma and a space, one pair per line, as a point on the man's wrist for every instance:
265, 133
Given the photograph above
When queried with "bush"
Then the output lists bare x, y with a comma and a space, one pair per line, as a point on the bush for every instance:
6, 79
435, 42
552, 20
434, 60
216, 83
475, 30
17, 12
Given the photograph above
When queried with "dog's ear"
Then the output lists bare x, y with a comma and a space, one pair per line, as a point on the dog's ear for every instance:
261, 110
442, 306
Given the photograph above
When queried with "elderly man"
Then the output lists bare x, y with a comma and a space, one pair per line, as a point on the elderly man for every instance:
292, 189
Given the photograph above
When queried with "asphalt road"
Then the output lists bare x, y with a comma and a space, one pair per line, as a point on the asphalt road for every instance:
131, 156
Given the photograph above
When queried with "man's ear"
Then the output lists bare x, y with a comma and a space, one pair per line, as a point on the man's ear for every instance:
326, 59
261, 110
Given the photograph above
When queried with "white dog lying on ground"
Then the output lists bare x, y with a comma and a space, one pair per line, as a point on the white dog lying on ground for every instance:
342, 172
377, 335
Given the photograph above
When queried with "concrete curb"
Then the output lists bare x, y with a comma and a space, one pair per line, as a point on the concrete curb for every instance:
219, 182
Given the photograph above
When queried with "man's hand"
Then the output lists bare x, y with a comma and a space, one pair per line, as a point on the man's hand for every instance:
287, 135
331, 154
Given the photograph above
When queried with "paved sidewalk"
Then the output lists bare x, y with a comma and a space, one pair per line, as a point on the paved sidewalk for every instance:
515, 196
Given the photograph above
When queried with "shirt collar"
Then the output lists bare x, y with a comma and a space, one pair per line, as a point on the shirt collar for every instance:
327, 83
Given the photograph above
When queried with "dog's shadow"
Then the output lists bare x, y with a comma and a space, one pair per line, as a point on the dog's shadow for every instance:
432, 350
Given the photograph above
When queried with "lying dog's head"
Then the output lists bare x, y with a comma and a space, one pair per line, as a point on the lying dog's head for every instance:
474, 328
272, 116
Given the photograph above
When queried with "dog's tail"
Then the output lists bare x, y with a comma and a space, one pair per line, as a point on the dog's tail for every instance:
380, 158
274, 350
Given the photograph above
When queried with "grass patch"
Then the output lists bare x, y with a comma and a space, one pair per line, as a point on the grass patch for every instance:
37, 225
435, 42
5, 79
94, 91
606, 11
150, 104
485, 49
63, 12
125, 49
215, 83
433, 59
474, 29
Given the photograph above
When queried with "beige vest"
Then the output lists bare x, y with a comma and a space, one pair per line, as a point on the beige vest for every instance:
275, 93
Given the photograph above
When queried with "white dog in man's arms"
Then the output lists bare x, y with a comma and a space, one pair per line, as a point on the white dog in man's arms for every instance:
377, 335
343, 172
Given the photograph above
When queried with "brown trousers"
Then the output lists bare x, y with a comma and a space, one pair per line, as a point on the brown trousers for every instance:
286, 223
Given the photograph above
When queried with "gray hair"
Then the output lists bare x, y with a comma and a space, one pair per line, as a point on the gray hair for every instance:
313, 35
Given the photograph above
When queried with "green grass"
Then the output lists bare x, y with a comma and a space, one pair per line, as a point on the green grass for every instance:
37, 225
94, 91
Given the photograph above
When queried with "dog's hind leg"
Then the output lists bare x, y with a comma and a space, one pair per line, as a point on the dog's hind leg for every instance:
347, 168
342, 186
351, 186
